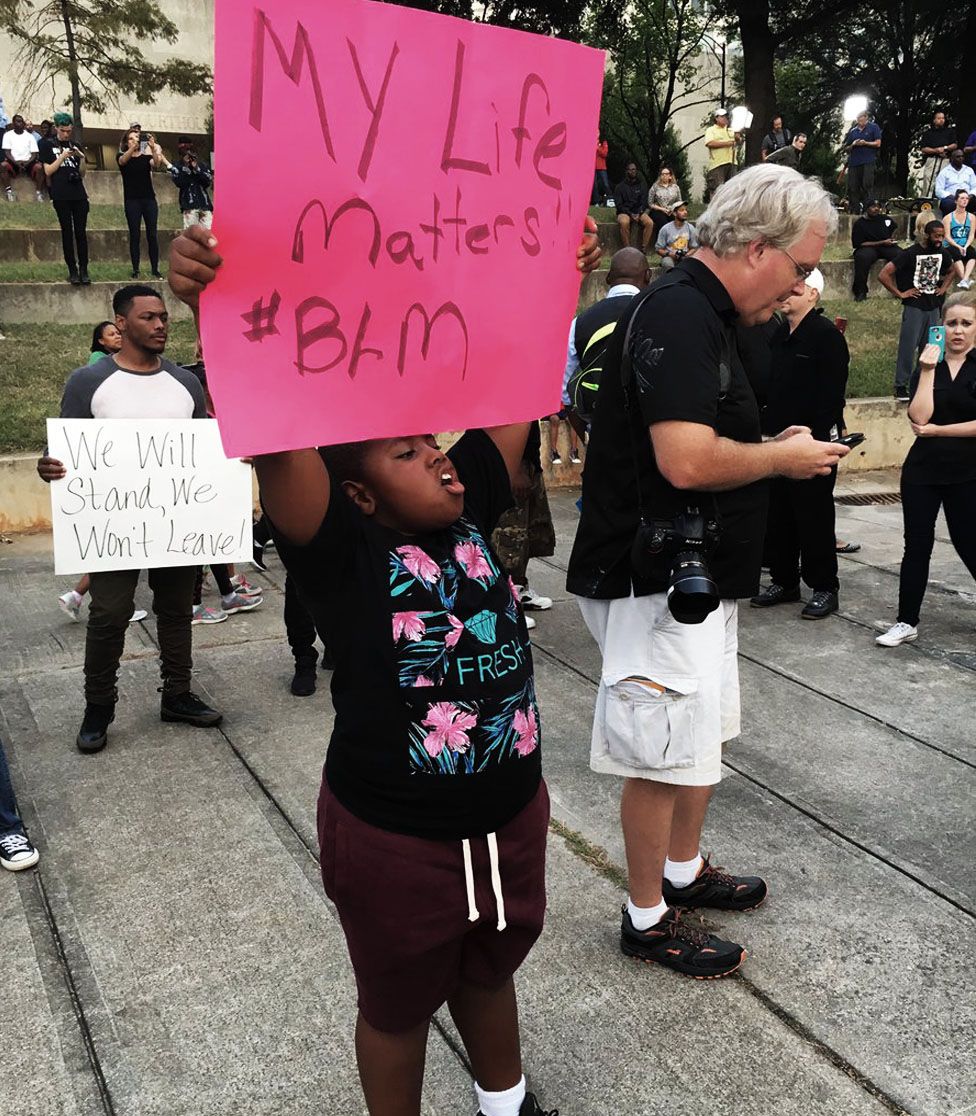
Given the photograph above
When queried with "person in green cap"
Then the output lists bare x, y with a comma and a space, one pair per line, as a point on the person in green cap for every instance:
64, 165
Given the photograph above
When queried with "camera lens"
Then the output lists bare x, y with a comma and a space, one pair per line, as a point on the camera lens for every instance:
692, 594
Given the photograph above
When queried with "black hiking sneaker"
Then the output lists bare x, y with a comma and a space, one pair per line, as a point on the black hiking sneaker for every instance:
717, 889
773, 595
821, 604
93, 734
681, 947
188, 709
303, 684
531, 1107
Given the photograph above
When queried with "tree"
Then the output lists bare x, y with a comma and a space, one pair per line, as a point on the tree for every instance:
544, 17
657, 68
93, 44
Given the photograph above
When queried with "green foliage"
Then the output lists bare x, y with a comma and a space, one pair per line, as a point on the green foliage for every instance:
806, 106
544, 17
95, 45
655, 70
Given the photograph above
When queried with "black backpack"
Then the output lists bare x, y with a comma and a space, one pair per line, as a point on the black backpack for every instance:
585, 381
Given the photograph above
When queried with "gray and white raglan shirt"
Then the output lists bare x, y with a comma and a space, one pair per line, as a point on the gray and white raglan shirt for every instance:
104, 390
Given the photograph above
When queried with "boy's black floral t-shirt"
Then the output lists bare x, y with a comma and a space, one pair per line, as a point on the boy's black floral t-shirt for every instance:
436, 727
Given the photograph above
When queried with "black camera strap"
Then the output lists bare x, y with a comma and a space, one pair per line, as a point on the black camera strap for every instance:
628, 382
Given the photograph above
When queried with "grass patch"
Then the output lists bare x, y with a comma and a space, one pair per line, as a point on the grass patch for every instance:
51, 271
41, 215
872, 337
34, 363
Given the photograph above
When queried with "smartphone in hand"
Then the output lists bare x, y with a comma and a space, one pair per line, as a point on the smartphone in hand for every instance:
850, 440
937, 337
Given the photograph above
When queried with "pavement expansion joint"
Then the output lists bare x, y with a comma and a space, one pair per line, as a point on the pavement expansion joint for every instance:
883, 857
599, 860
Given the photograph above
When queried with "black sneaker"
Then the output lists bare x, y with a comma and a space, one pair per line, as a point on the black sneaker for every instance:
717, 889
821, 604
303, 684
85, 279
775, 594
74, 278
17, 852
257, 557
679, 946
93, 734
902, 393
189, 710
531, 1107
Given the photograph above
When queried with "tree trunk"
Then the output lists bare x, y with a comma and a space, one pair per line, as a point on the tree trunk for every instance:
758, 46
966, 88
69, 34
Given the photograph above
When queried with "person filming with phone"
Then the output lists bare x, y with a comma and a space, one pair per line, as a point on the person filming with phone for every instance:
670, 537
138, 155
940, 469
808, 380
64, 164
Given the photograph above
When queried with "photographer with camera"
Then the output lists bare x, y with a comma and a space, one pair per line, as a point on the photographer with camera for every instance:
677, 238
138, 155
670, 537
64, 164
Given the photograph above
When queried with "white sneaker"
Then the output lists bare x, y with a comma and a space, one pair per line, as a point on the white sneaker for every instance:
529, 623
139, 614
532, 600
964, 284
70, 603
900, 633
17, 853
39, 196
237, 603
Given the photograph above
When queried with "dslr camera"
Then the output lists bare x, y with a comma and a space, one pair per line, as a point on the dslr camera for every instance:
685, 542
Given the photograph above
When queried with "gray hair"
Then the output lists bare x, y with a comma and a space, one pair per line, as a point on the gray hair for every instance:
768, 202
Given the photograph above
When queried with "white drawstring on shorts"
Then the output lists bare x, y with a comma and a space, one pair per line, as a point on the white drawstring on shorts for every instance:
496, 880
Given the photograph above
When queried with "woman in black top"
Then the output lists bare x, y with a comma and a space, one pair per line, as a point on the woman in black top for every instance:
136, 158
940, 469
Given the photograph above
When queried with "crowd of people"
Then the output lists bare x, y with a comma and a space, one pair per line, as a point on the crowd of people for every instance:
702, 399
56, 163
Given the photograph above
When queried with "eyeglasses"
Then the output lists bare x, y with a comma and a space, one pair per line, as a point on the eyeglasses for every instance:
802, 272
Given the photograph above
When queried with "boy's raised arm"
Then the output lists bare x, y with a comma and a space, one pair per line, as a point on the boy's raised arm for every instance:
294, 485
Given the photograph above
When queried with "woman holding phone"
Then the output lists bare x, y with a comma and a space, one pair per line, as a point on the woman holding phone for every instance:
940, 469
138, 154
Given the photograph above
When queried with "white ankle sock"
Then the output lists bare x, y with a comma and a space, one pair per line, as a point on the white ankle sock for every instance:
680, 873
644, 918
506, 1103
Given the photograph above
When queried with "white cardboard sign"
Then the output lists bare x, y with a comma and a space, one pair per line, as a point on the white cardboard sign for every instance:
146, 493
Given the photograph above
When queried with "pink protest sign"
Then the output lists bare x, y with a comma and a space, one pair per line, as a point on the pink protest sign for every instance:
399, 202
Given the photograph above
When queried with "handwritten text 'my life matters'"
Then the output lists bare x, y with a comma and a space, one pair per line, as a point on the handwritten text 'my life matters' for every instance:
518, 152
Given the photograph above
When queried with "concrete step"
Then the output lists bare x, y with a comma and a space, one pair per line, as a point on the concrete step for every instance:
838, 276
104, 187
45, 244
60, 302
609, 232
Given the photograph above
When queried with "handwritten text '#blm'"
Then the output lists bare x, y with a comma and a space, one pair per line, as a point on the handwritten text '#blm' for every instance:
524, 151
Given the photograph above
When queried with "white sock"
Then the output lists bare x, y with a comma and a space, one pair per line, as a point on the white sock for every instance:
506, 1103
680, 873
644, 918
76, 598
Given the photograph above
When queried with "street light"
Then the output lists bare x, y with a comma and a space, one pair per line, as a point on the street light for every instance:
854, 106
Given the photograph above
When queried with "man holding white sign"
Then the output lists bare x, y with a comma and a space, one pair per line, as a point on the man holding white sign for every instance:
135, 383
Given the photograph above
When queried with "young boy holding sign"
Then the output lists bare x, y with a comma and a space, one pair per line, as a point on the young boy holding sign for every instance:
432, 815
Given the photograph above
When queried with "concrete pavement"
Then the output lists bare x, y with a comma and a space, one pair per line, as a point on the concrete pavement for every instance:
174, 953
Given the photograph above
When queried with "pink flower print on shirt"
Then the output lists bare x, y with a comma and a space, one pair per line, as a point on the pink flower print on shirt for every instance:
408, 624
450, 640
526, 731
422, 680
514, 590
420, 564
450, 728
472, 557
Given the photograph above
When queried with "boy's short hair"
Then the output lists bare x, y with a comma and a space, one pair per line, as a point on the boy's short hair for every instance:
123, 298
347, 460
933, 225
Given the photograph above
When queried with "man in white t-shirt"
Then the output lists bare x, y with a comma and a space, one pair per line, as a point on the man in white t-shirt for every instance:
20, 157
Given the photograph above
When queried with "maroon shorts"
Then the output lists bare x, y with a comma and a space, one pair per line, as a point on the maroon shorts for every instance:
404, 907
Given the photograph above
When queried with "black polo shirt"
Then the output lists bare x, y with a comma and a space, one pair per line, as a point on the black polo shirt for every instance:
937, 137
874, 229
809, 377
676, 346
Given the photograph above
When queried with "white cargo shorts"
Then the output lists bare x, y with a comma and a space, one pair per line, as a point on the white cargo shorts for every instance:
669, 692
